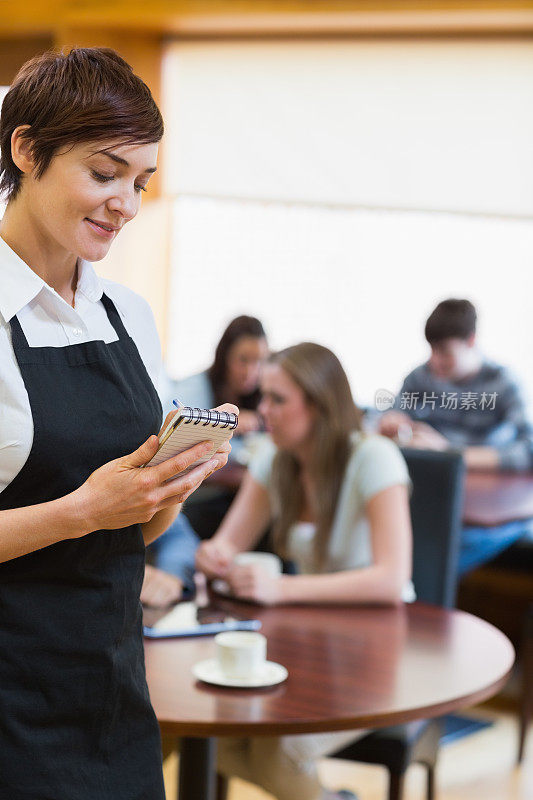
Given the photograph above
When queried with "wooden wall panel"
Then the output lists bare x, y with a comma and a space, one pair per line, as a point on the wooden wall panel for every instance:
15, 51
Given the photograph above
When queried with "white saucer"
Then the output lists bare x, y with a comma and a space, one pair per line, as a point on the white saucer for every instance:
210, 672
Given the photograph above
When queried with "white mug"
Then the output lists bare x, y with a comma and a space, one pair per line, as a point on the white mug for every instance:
240, 654
269, 562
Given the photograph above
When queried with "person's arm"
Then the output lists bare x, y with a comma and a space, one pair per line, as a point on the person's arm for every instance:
516, 455
393, 423
159, 523
160, 588
23, 530
481, 458
118, 494
476, 457
246, 520
381, 582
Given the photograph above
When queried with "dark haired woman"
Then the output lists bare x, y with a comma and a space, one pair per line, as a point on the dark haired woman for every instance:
234, 375
79, 136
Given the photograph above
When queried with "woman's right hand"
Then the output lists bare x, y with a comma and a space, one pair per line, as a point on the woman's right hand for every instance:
391, 422
120, 493
214, 558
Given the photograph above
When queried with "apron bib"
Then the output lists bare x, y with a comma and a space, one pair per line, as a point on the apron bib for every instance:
76, 721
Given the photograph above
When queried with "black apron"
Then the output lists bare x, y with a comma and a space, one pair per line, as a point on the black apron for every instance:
76, 721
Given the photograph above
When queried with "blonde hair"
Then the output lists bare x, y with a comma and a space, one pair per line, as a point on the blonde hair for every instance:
321, 378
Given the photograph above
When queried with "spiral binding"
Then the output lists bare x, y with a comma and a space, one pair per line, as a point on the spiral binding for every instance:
208, 417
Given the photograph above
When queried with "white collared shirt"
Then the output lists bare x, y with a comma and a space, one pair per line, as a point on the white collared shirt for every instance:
48, 321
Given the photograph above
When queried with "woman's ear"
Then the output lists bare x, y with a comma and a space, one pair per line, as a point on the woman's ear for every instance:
21, 149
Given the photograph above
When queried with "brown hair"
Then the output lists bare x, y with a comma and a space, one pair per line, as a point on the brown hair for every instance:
320, 376
237, 329
451, 319
90, 94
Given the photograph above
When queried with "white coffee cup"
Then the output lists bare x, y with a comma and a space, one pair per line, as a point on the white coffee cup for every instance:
240, 654
268, 562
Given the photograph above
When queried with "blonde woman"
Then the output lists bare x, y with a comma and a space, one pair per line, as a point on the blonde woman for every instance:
337, 502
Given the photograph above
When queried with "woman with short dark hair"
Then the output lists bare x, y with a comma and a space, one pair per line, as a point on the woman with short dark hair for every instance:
79, 135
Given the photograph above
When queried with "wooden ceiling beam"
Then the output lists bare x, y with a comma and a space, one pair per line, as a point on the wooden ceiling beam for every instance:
262, 17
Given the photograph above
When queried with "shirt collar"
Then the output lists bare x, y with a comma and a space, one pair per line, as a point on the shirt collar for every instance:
20, 284
89, 283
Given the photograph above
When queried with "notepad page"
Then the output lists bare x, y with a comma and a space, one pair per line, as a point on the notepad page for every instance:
187, 435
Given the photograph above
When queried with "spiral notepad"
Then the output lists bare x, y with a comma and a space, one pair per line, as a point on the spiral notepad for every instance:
189, 427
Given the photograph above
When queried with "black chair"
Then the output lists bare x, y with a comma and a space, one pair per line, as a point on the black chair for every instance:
436, 510
526, 705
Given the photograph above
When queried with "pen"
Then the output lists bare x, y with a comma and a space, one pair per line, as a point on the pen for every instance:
177, 402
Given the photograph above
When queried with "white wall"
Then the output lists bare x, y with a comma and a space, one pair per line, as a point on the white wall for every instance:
424, 124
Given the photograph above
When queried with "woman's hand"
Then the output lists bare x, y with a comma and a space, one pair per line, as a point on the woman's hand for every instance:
392, 422
252, 582
249, 422
214, 558
159, 588
121, 493
427, 438
225, 448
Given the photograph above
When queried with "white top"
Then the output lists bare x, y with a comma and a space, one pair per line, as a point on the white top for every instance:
375, 464
48, 321
300, 546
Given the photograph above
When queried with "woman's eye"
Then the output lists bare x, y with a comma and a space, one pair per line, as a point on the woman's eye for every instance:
102, 178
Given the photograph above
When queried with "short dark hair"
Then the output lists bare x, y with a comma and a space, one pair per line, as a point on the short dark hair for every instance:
451, 319
90, 94
237, 329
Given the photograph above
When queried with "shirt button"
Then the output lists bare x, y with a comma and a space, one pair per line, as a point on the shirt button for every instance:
77, 331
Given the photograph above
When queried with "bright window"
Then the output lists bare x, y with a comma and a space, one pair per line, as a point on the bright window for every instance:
340, 190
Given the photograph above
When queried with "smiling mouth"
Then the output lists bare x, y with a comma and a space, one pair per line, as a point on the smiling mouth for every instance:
103, 227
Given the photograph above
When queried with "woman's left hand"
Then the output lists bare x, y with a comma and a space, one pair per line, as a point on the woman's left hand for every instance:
252, 582
249, 422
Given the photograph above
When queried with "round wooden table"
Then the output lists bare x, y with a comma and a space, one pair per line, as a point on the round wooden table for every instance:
348, 668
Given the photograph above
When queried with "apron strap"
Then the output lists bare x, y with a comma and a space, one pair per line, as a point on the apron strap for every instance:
18, 337
114, 318
19, 340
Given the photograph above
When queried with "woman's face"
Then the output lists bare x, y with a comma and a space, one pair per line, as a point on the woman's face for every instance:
288, 415
243, 364
86, 195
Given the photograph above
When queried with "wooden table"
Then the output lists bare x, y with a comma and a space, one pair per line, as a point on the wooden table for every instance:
348, 668
494, 498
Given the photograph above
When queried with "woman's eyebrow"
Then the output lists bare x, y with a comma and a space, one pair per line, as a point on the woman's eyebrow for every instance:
119, 160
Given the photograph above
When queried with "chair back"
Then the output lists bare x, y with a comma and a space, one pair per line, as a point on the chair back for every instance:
436, 514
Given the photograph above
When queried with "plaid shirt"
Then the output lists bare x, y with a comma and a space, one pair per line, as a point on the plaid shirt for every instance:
486, 409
